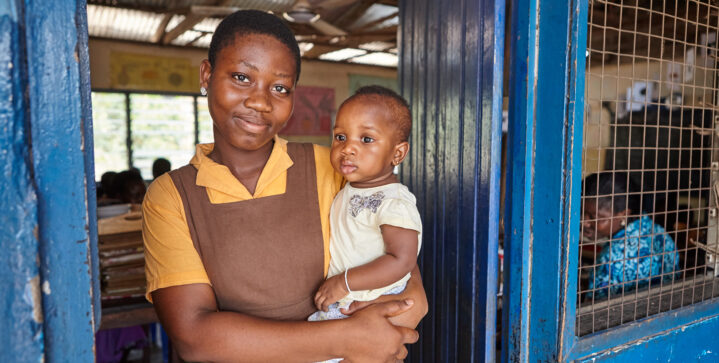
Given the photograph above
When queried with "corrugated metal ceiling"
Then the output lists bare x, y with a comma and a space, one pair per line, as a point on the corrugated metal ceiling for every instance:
343, 24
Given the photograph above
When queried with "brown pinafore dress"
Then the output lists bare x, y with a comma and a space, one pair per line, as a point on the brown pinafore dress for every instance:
264, 256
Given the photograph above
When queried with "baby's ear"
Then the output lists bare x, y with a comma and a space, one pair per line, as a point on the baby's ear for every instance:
400, 152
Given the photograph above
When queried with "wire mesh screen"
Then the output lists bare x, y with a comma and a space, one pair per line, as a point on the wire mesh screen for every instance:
650, 161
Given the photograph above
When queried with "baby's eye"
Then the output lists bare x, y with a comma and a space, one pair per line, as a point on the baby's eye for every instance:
367, 139
282, 89
340, 137
240, 77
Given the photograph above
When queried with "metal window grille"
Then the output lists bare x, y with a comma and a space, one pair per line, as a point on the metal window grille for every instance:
651, 133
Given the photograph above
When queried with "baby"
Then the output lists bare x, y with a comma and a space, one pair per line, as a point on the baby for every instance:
374, 222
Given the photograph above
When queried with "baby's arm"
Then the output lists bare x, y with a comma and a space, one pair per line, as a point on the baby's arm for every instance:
399, 259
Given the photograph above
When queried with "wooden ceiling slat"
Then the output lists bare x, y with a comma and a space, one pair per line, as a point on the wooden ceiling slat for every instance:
359, 8
160, 31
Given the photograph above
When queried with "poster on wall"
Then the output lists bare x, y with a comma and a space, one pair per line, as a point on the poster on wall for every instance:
133, 71
314, 108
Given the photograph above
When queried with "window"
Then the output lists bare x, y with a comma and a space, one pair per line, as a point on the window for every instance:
134, 129
650, 162
161, 126
110, 132
204, 121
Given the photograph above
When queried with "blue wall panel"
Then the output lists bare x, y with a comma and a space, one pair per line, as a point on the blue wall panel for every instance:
56, 109
20, 302
693, 343
451, 56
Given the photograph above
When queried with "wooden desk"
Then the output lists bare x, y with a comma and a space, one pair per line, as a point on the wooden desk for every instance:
122, 316
122, 232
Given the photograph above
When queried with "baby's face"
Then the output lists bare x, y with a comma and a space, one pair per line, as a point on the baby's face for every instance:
365, 143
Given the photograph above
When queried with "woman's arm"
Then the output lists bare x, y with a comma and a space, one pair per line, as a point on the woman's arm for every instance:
201, 333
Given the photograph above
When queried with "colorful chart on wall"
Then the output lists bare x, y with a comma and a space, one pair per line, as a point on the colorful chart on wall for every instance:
152, 73
314, 108
360, 80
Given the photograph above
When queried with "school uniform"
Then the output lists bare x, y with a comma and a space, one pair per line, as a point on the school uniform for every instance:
264, 254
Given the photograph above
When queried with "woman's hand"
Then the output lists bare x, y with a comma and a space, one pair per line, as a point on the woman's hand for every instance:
373, 338
331, 291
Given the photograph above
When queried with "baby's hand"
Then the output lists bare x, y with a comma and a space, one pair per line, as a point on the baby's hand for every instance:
331, 291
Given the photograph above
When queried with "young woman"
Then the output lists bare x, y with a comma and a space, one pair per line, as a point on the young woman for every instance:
237, 242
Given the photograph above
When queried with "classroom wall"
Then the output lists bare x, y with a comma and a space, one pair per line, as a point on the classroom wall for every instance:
610, 83
314, 73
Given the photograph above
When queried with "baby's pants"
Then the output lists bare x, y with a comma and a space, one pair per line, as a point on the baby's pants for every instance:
333, 312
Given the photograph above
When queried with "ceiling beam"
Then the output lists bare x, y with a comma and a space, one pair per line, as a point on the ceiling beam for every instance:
196, 15
187, 24
376, 22
160, 31
353, 13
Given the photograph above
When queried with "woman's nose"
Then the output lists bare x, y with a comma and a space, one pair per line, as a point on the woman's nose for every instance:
258, 101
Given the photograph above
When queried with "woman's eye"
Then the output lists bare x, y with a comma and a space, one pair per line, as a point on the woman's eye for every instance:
340, 137
282, 89
240, 77
367, 139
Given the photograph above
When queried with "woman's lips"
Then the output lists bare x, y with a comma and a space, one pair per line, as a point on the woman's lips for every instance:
250, 125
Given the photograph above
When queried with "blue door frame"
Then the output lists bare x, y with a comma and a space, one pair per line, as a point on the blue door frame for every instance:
48, 196
546, 88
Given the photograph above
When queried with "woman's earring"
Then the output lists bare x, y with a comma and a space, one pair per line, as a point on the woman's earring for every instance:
624, 222
203, 91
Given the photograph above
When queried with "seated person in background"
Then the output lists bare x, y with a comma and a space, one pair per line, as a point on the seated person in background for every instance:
160, 166
130, 186
638, 250
106, 192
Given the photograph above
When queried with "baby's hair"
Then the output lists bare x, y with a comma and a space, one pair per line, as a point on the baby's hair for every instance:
245, 22
396, 103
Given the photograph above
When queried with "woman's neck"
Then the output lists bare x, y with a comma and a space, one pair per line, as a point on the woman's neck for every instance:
245, 165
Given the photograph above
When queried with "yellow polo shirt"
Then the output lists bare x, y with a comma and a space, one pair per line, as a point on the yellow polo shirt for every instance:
170, 256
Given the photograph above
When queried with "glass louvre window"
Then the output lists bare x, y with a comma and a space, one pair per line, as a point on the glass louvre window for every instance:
204, 122
162, 126
110, 132
650, 162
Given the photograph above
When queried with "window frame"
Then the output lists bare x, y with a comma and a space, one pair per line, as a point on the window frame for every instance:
128, 113
543, 205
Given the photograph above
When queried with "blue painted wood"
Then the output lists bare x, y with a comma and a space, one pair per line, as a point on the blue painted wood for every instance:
544, 146
56, 118
451, 57
651, 327
694, 343
88, 144
21, 313
575, 121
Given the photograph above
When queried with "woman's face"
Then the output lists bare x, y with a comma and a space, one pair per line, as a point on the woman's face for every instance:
600, 223
250, 91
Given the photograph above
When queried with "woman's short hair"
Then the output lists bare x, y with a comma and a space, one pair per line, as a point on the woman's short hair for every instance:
615, 191
245, 22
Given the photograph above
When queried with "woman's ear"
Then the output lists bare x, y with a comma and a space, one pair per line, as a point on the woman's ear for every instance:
205, 73
623, 213
400, 152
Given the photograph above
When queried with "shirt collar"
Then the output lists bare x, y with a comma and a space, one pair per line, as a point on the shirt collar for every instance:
217, 176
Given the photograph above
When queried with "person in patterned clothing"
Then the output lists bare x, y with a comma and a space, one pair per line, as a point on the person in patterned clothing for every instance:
637, 252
